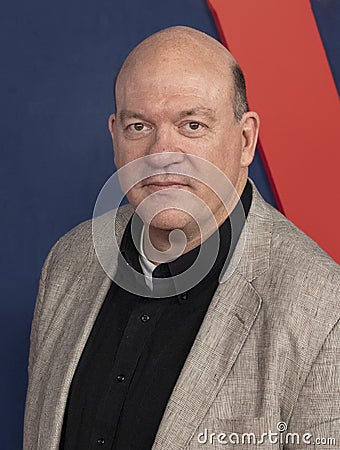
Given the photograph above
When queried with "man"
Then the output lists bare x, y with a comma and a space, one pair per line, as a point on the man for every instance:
252, 347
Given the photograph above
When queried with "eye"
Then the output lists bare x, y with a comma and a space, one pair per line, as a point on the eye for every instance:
193, 128
194, 125
136, 126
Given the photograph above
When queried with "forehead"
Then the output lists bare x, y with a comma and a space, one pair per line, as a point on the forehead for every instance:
170, 84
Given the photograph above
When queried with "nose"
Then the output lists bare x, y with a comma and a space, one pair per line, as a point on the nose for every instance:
164, 150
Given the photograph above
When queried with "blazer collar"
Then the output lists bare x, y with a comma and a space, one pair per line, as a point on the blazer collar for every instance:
252, 252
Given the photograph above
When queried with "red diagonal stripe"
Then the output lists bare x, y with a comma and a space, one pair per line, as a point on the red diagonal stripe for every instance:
291, 86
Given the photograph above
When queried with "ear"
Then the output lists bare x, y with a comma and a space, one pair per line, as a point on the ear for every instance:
250, 132
111, 122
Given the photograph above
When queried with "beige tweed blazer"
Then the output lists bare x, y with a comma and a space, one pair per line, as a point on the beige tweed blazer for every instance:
267, 352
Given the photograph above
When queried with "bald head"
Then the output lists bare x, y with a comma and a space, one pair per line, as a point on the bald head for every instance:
186, 47
179, 94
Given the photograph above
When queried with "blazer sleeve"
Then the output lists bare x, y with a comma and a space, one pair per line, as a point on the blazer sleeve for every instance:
35, 337
316, 415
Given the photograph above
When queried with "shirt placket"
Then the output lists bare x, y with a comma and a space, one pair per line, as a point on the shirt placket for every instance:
140, 326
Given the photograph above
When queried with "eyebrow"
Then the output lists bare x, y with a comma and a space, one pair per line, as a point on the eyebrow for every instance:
207, 112
126, 114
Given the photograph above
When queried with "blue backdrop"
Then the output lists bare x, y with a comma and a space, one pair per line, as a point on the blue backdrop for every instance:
58, 61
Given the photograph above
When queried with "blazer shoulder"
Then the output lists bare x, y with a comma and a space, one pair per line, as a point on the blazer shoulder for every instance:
288, 251
302, 279
77, 244
299, 276
294, 248
81, 235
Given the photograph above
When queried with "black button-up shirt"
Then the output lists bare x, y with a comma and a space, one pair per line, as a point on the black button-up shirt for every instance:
135, 353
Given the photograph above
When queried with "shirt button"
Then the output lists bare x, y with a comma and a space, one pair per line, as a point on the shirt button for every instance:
184, 296
121, 377
144, 318
100, 441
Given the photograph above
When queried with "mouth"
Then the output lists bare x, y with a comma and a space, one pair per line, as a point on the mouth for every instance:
168, 183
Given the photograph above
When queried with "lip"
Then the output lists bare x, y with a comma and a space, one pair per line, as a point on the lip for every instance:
158, 186
167, 183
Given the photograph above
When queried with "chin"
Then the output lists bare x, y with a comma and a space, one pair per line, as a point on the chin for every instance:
161, 210
171, 219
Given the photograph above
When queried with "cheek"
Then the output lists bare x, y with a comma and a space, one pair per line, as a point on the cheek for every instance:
229, 157
126, 151
134, 197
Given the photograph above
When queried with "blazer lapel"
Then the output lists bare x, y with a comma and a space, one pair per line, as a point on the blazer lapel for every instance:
225, 328
63, 346
220, 339
60, 354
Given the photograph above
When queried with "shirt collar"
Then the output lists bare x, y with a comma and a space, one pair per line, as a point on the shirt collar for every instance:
147, 266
